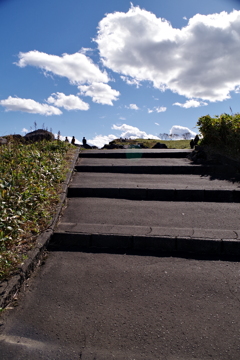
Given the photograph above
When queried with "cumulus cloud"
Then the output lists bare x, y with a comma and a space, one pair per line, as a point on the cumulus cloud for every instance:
101, 140
29, 106
157, 109
132, 107
78, 67
80, 70
178, 132
132, 132
68, 102
199, 61
191, 103
100, 93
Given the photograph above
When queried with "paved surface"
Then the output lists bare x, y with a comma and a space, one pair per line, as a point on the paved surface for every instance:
107, 306
162, 181
116, 301
135, 162
152, 213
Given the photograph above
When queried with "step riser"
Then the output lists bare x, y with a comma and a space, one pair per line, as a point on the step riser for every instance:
101, 242
158, 194
171, 170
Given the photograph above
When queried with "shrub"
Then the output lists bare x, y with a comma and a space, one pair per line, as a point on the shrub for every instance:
221, 132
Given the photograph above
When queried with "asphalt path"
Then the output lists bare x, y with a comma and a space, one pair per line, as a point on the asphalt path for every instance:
131, 306
162, 181
153, 213
94, 306
138, 161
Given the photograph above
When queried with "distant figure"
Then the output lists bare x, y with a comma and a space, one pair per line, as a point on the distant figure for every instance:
66, 139
192, 144
73, 140
84, 141
196, 140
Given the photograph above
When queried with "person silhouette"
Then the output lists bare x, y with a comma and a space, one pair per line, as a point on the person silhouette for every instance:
73, 140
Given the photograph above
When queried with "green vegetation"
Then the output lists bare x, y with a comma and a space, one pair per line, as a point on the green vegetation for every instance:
171, 144
221, 133
31, 176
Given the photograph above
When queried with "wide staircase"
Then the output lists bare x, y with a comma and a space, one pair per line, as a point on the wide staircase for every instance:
150, 201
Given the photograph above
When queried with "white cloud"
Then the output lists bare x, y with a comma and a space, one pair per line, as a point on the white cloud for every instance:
68, 102
201, 60
177, 132
130, 81
157, 109
237, 89
24, 130
122, 118
29, 106
191, 103
132, 107
78, 68
160, 109
101, 140
132, 132
156, 123
100, 93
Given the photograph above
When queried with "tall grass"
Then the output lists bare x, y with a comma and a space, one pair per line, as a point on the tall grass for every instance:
30, 180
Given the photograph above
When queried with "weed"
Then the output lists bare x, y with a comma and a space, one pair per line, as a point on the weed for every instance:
31, 176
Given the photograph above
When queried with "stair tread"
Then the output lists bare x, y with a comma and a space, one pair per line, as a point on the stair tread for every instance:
146, 181
152, 213
154, 231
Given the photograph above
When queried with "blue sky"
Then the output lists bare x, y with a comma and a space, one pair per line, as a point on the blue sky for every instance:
111, 68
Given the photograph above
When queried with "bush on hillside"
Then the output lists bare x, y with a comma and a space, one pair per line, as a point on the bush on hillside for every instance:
221, 132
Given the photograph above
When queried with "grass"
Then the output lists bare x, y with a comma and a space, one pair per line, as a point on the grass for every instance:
30, 183
171, 144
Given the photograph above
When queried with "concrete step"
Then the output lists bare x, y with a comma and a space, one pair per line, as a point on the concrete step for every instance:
148, 181
92, 237
157, 194
154, 187
167, 214
101, 224
146, 166
128, 162
155, 169
181, 212
135, 153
